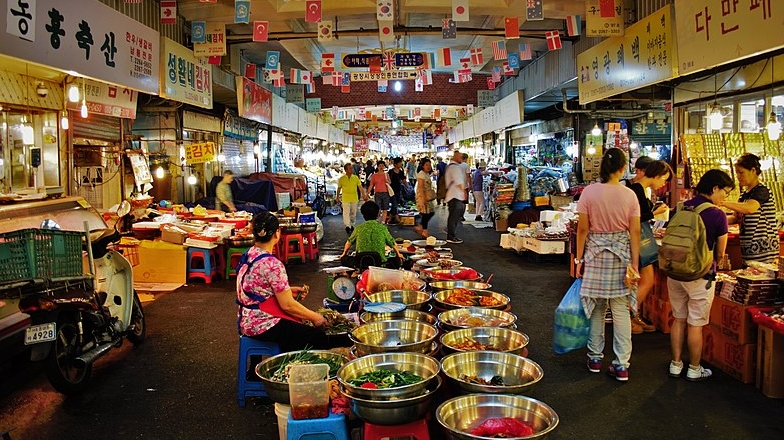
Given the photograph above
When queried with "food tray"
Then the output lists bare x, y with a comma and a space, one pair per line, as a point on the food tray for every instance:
760, 317
40, 253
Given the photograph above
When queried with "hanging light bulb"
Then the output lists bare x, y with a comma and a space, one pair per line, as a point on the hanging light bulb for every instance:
73, 93
773, 127
159, 173
28, 137
83, 109
221, 158
596, 131
715, 119
64, 123
191, 180
591, 149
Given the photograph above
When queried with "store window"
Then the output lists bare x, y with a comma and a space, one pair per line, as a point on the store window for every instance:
29, 153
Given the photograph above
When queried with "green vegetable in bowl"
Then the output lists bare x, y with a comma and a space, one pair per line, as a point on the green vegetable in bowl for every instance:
386, 379
281, 374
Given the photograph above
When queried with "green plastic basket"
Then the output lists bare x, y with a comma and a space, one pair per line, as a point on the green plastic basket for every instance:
40, 254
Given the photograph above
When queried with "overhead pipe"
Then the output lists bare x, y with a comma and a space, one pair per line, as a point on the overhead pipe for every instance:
630, 113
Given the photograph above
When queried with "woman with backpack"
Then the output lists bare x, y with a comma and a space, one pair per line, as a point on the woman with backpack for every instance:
755, 212
691, 300
608, 247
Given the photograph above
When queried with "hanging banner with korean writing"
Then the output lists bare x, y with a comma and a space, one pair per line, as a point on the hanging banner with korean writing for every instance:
711, 32
214, 41
254, 102
82, 36
598, 24
184, 78
384, 75
313, 105
199, 153
107, 99
295, 93
645, 55
361, 145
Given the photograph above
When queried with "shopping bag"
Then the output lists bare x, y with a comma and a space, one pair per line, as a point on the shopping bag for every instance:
649, 249
571, 328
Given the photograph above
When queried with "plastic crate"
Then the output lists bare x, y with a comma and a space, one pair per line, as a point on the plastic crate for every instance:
40, 253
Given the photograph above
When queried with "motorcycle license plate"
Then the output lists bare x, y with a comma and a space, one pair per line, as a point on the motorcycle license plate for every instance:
40, 333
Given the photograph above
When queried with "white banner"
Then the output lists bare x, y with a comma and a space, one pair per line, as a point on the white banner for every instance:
83, 36
106, 99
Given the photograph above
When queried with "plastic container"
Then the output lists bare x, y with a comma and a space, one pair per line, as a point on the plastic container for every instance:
282, 411
309, 391
40, 253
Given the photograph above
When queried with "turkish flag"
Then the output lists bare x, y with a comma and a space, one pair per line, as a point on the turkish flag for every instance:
607, 8
260, 30
313, 11
511, 27
250, 71
214, 60
490, 83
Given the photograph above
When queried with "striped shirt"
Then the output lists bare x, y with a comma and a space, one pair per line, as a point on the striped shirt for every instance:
759, 240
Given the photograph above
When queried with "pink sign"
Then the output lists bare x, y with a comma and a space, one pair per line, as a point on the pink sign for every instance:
254, 101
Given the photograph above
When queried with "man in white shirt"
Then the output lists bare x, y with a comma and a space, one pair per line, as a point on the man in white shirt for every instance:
456, 191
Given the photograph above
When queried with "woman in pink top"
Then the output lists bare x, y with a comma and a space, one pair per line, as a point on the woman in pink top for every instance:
608, 241
378, 187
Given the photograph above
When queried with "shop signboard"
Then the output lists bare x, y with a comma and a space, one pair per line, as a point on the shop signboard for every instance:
214, 42
200, 153
184, 78
712, 32
660, 128
485, 98
254, 102
239, 128
603, 22
388, 75
107, 99
313, 105
82, 36
295, 93
360, 145
645, 55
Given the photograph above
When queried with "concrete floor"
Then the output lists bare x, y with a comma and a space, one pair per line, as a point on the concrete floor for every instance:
180, 384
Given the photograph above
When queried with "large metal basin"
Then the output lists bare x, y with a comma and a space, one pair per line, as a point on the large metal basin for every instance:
277, 391
502, 339
461, 414
413, 299
519, 374
430, 274
440, 299
393, 336
416, 363
467, 317
440, 285
407, 314
396, 411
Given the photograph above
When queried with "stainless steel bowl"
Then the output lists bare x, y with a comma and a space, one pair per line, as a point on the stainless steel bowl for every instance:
439, 298
279, 391
438, 286
422, 365
467, 317
503, 339
519, 374
307, 228
461, 414
393, 336
354, 354
407, 314
431, 274
396, 411
413, 299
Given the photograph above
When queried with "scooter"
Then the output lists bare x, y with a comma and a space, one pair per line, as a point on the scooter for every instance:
78, 320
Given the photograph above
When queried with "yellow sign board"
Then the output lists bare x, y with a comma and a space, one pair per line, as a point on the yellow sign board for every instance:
215, 41
387, 75
184, 77
200, 153
603, 25
712, 32
645, 55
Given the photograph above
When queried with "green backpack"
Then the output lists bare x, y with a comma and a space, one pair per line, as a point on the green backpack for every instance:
684, 254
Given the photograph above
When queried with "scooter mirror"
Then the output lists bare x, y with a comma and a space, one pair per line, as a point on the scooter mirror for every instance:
124, 208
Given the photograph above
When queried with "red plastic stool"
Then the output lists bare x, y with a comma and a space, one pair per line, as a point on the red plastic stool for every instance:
311, 246
416, 430
293, 246
202, 263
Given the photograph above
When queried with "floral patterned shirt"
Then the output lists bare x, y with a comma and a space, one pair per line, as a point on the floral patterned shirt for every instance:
265, 278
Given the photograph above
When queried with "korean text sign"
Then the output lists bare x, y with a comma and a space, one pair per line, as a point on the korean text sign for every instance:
254, 102
713, 32
644, 55
199, 153
184, 77
83, 36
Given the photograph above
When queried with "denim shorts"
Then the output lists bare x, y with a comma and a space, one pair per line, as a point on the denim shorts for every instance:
382, 200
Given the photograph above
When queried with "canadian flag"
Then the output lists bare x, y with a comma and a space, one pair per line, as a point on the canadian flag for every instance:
168, 12
313, 11
460, 10
327, 62
464, 65
260, 30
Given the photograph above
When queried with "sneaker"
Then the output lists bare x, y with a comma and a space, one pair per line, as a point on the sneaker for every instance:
644, 326
595, 365
675, 369
698, 374
618, 372
454, 240
478, 218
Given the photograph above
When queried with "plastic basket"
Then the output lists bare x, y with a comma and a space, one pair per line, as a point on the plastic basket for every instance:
40, 253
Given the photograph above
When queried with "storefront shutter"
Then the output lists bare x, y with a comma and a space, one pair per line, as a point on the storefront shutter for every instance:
98, 127
236, 151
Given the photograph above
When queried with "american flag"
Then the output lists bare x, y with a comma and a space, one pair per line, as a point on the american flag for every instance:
477, 58
496, 74
525, 51
499, 50
388, 61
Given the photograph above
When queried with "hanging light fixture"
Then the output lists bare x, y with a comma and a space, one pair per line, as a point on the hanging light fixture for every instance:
596, 131
64, 124
28, 137
774, 126
191, 180
159, 172
715, 118
83, 110
591, 149
73, 93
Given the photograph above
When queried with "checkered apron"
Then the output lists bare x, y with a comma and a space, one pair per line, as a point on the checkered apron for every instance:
607, 254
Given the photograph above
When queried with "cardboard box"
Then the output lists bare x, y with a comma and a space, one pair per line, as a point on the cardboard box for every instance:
501, 225
770, 363
545, 246
407, 220
660, 313
506, 241
173, 236
733, 320
723, 352
152, 270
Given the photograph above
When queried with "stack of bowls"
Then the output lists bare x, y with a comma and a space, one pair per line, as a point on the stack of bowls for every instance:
278, 391
406, 315
397, 405
518, 374
458, 416
393, 336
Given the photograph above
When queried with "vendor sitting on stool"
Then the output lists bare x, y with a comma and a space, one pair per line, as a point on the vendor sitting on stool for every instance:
371, 236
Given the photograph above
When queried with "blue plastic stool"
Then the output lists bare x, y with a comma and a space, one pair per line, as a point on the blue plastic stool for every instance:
202, 263
251, 347
330, 428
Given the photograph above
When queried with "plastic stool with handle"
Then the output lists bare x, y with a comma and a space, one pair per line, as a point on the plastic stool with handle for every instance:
251, 347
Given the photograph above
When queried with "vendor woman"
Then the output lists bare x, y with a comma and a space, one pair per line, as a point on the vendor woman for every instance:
755, 212
268, 309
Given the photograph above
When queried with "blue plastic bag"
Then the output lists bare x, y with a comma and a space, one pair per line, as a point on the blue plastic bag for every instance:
571, 328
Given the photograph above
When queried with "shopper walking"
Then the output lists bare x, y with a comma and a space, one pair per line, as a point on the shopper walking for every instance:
440, 181
456, 192
425, 196
608, 246
379, 188
411, 171
691, 300
348, 193
399, 183
224, 200
477, 187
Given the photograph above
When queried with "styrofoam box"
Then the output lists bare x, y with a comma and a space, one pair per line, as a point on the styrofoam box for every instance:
506, 241
548, 216
545, 246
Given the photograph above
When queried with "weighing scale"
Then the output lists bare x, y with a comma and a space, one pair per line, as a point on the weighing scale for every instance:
341, 286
